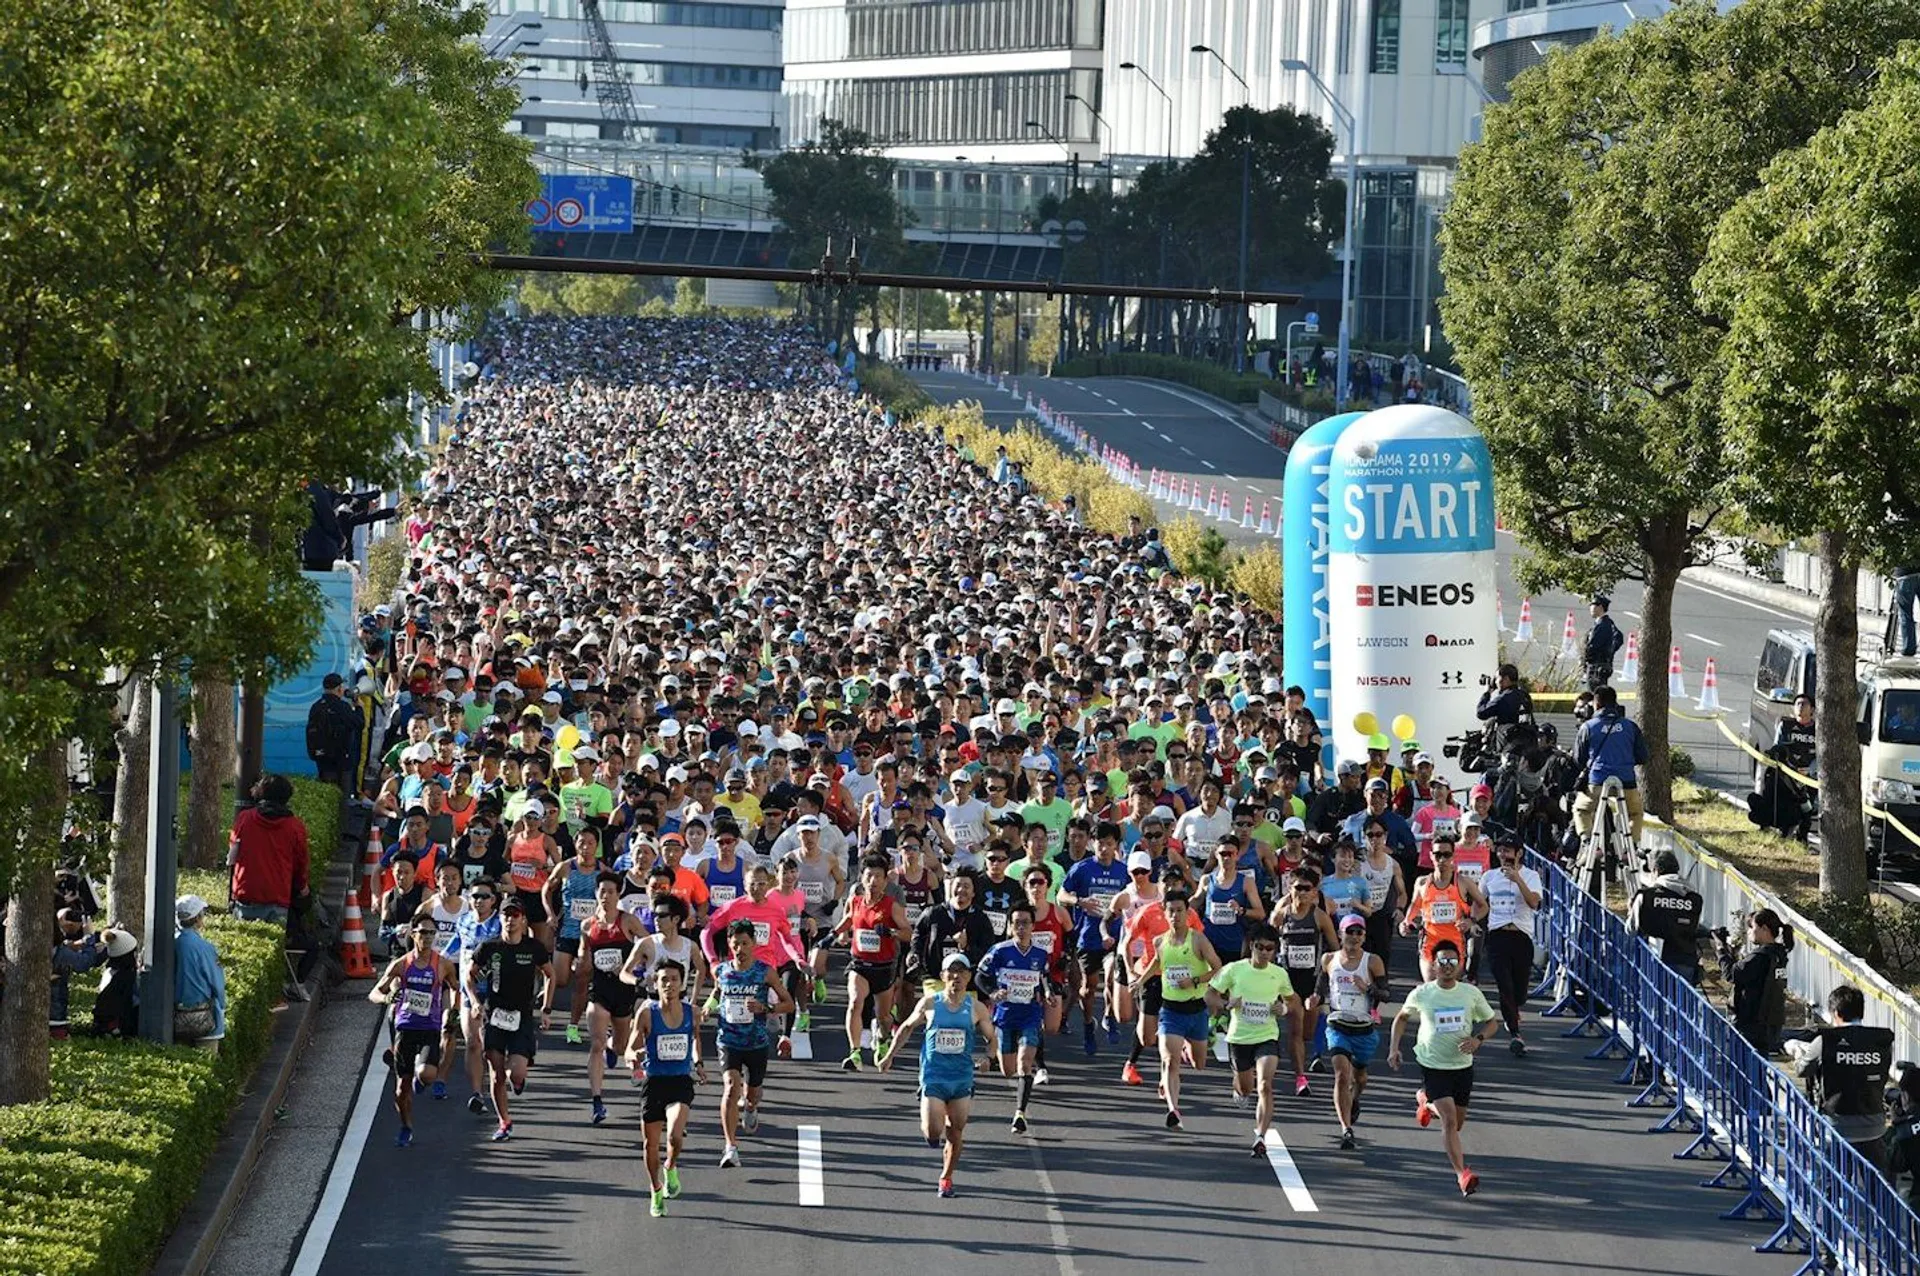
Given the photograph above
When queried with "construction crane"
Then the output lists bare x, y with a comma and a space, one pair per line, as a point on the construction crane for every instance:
610, 84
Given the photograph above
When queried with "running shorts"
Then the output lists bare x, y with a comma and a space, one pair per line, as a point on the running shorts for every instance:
879, 975
1184, 1019
1358, 1044
1014, 1035
753, 1062
947, 1091
1245, 1056
1448, 1083
661, 1093
568, 944
409, 1044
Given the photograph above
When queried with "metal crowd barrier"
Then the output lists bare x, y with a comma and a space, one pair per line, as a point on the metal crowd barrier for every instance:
1778, 1150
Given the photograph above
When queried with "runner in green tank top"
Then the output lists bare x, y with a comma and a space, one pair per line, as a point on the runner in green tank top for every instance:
1186, 963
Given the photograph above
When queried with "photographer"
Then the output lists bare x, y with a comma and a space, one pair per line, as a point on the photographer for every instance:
1666, 913
1610, 748
1847, 1062
1503, 705
1759, 979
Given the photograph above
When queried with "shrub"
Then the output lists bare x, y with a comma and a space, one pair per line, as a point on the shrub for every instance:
386, 561
900, 393
92, 1180
317, 804
1259, 575
1208, 378
1680, 760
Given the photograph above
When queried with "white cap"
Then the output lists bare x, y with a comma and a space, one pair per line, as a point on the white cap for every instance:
188, 907
806, 822
962, 776
1182, 701
1266, 773
1139, 860
453, 671
1007, 707
956, 959
748, 729
669, 729
586, 753
552, 697
1423, 759
537, 809
1294, 824
1162, 813
676, 775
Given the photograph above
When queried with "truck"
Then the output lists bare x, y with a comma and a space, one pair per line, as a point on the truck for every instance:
1887, 723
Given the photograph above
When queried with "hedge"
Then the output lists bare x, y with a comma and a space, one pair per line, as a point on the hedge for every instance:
92, 1180
316, 803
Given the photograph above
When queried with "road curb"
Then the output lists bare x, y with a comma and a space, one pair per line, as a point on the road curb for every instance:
196, 1235
1760, 591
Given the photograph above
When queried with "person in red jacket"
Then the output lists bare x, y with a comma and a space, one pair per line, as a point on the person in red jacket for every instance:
268, 855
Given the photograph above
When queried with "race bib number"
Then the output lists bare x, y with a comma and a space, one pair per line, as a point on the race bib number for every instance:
1470, 873
1098, 905
866, 941
1301, 956
1442, 912
1221, 912
734, 1009
1179, 976
914, 913
814, 892
444, 938
950, 1041
607, 960
762, 932
1447, 828
1043, 940
505, 1020
417, 1002
581, 909
672, 1049
524, 871
720, 896
999, 923
1020, 985
1255, 1012
1450, 1023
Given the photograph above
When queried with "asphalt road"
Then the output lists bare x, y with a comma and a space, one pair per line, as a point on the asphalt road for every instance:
1572, 1182
1201, 440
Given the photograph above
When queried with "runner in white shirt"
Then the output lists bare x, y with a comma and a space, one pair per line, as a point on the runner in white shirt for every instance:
1513, 892
965, 819
1201, 829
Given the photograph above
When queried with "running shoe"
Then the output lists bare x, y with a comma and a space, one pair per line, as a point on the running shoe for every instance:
1347, 1141
519, 1087
881, 1049
730, 1159
1469, 1182
608, 1057
1517, 1048
1131, 1075
1173, 1118
386, 1057
476, 1104
1088, 1043
819, 990
404, 1138
639, 1073
503, 1133
599, 1111
1040, 1076
419, 1084
1259, 1149
803, 1021
1113, 1029
1317, 1064
946, 1187
749, 1120
573, 1034
659, 1207
673, 1183
1302, 1088
439, 1089
1019, 1125
1422, 1110
785, 1049
851, 1063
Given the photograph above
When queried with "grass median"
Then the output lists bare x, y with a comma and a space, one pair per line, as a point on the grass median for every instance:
92, 1180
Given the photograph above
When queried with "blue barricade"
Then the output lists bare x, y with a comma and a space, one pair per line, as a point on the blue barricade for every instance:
1779, 1150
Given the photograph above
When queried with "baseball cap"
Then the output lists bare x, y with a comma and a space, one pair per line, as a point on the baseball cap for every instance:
806, 822
512, 904
956, 959
1376, 784
188, 907
1294, 824
1480, 791
537, 809
1353, 921
962, 776
586, 753
669, 729
1164, 814
1139, 861
1266, 773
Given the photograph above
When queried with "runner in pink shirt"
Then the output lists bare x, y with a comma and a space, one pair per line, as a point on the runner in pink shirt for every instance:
1441, 814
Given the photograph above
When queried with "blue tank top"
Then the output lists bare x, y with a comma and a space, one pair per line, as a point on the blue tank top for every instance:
669, 1050
1222, 925
418, 1008
946, 1048
739, 1029
1344, 893
724, 885
1250, 861
576, 900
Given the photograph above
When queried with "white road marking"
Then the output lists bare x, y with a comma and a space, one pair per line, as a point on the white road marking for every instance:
1256, 491
1186, 449
1289, 1175
1770, 611
813, 1176
1710, 642
1237, 423
802, 1045
1631, 615
1203, 460
1163, 434
346, 1163
1056, 1222
1128, 412
1234, 477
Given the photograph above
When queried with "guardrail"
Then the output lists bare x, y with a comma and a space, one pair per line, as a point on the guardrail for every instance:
1777, 1147
1818, 963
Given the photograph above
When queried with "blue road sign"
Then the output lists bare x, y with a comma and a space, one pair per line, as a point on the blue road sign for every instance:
572, 201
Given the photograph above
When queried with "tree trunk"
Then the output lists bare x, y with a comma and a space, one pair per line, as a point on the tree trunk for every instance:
1665, 556
1836, 642
127, 884
212, 748
25, 1053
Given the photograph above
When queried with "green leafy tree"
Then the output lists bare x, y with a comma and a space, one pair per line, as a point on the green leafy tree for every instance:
213, 303
1817, 270
1570, 248
836, 190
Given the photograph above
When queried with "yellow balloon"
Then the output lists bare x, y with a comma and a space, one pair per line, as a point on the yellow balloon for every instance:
1403, 727
1365, 723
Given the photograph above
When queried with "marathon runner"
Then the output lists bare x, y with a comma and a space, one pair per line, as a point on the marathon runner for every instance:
477, 925
956, 1023
422, 978
673, 1065
569, 895
1185, 963
774, 942
872, 923
1306, 933
606, 938
1255, 993
1013, 975
1444, 907
1353, 983
747, 989
1088, 891
1512, 891
504, 980
1455, 1020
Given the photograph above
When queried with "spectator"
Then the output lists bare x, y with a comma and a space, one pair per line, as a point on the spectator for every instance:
1610, 747
1906, 591
75, 949
1604, 640
199, 984
329, 536
333, 735
269, 854
116, 1008
1666, 912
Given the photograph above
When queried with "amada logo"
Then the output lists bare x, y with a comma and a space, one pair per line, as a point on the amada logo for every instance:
1435, 640
1413, 595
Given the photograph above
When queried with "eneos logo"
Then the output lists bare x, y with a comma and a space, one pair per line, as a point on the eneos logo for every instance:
1448, 595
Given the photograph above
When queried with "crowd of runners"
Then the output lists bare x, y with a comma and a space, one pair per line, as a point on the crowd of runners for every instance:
726, 709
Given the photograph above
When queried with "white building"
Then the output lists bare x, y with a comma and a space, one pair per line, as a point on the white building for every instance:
702, 74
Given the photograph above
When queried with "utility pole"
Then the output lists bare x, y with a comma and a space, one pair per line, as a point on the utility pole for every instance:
163, 865
1246, 200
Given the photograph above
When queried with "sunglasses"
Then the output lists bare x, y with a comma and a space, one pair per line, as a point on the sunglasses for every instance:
1266, 948
1142, 872
996, 859
1377, 833
1443, 855
484, 895
1446, 959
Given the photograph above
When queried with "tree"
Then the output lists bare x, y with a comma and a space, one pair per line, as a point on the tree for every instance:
214, 301
1817, 270
836, 191
1570, 248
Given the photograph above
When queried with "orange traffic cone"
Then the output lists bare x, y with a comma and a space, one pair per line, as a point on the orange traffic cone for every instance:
1676, 679
370, 869
1266, 518
354, 957
1246, 514
1709, 701
1567, 650
1523, 632
1630, 667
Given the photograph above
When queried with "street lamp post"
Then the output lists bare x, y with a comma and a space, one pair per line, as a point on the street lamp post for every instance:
1164, 97
1346, 120
1073, 156
1246, 208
